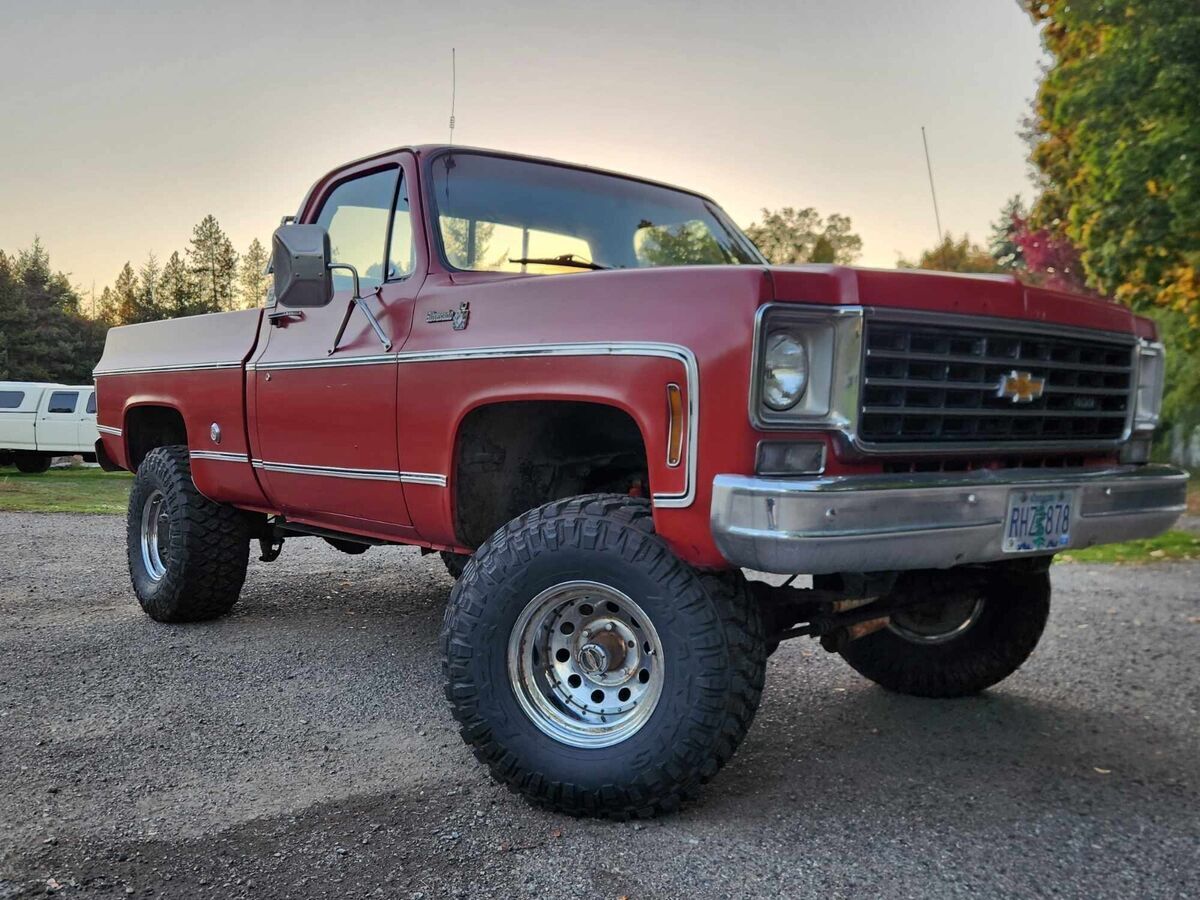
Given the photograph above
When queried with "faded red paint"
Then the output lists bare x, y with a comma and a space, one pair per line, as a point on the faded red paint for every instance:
405, 416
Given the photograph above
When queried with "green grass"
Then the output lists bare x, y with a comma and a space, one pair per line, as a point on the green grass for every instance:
65, 490
1172, 545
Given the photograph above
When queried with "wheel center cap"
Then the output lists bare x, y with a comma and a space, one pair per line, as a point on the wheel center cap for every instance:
604, 653
593, 659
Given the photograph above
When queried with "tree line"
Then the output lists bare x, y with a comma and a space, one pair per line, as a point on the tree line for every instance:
49, 332
209, 276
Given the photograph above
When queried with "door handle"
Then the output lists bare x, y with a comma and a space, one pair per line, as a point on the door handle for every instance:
279, 316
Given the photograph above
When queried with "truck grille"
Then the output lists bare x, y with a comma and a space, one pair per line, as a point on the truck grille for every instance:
936, 383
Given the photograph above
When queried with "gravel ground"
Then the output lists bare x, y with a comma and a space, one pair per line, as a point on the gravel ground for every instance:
301, 748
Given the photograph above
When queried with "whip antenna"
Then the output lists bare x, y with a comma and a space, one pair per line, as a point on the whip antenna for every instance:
453, 91
928, 166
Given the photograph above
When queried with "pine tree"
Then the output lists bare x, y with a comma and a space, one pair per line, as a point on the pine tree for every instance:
149, 304
254, 280
43, 336
176, 291
1003, 244
127, 296
212, 262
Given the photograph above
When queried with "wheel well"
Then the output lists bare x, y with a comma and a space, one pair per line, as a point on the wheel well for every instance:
150, 427
512, 457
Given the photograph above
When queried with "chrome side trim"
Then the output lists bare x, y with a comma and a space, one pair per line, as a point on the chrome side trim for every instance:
429, 478
857, 523
219, 456
108, 429
677, 352
181, 367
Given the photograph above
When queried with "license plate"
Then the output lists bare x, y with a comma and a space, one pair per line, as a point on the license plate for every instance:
1038, 521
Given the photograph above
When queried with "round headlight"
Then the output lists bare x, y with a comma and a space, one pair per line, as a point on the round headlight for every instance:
785, 371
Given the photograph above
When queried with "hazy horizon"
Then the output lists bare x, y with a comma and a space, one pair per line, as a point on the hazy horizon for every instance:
126, 126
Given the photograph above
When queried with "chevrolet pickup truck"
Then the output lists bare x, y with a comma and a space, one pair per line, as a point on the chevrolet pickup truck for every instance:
594, 397
40, 421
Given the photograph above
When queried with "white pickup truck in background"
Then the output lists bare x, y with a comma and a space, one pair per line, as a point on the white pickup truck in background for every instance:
41, 421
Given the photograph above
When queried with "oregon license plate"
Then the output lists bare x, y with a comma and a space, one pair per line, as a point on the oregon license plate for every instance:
1038, 521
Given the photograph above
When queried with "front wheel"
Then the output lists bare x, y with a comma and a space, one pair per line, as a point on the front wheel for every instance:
32, 463
187, 554
977, 627
591, 669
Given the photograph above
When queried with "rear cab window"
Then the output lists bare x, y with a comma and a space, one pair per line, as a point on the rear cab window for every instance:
63, 402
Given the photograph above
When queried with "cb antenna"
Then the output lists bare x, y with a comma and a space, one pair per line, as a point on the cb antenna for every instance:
453, 91
932, 192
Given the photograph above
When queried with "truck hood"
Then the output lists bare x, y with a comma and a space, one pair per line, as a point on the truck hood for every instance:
999, 296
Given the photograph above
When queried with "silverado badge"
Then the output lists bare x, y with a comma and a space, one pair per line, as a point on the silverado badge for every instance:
458, 316
1020, 387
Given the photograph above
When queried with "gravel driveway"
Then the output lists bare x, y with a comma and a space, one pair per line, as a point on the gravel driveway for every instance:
301, 748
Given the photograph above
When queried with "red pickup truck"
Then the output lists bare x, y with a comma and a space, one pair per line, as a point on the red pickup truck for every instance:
600, 458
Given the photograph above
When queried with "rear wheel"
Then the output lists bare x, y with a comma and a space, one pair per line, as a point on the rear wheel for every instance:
187, 554
591, 669
977, 628
32, 463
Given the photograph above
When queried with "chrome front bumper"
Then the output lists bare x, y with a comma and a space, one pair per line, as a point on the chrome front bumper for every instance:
877, 523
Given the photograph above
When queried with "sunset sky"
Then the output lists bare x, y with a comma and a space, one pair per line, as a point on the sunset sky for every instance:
125, 122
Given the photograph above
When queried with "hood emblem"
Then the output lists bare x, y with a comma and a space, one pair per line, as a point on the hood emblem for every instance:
457, 317
1020, 387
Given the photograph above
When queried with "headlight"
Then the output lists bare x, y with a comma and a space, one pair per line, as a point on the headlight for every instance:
1148, 403
806, 365
785, 371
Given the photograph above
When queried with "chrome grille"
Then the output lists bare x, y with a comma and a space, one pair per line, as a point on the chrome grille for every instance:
938, 383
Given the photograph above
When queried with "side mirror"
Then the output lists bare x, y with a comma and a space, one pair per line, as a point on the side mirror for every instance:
300, 260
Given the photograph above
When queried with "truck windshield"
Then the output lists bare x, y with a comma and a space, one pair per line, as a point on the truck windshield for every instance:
497, 214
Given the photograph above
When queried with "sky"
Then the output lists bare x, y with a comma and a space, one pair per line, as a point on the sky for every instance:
123, 123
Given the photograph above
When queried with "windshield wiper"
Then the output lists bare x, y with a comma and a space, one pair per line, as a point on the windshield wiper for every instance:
566, 259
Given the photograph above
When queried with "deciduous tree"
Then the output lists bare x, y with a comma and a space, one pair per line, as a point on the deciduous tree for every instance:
952, 255
786, 236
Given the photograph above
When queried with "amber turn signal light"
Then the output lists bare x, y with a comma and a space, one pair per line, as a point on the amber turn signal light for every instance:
674, 424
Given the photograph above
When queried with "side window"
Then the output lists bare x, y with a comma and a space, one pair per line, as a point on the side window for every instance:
356, 217
63, 402
400, 254
91, 404
11, 399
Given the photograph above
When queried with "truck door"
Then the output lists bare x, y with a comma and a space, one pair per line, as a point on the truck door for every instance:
58, 423
324, 419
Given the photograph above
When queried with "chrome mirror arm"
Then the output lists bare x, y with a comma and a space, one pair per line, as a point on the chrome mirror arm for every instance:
361, 303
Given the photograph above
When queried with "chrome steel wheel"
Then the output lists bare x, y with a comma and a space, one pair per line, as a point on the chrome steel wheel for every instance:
936, 623
156, 536
586, 664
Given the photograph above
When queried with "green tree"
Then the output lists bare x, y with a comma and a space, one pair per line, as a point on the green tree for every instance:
127, 297
43, 336
253, 280
1115, 137
786, 236
176, 289
212, 263
952, 255
1004, 246
149, 307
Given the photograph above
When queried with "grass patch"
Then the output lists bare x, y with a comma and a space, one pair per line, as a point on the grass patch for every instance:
1172, 545
65, 490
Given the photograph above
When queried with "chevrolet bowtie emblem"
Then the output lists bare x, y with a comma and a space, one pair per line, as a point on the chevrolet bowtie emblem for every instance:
1020, 387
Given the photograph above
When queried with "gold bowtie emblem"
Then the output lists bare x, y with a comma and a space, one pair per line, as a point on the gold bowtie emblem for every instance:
1020, 387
